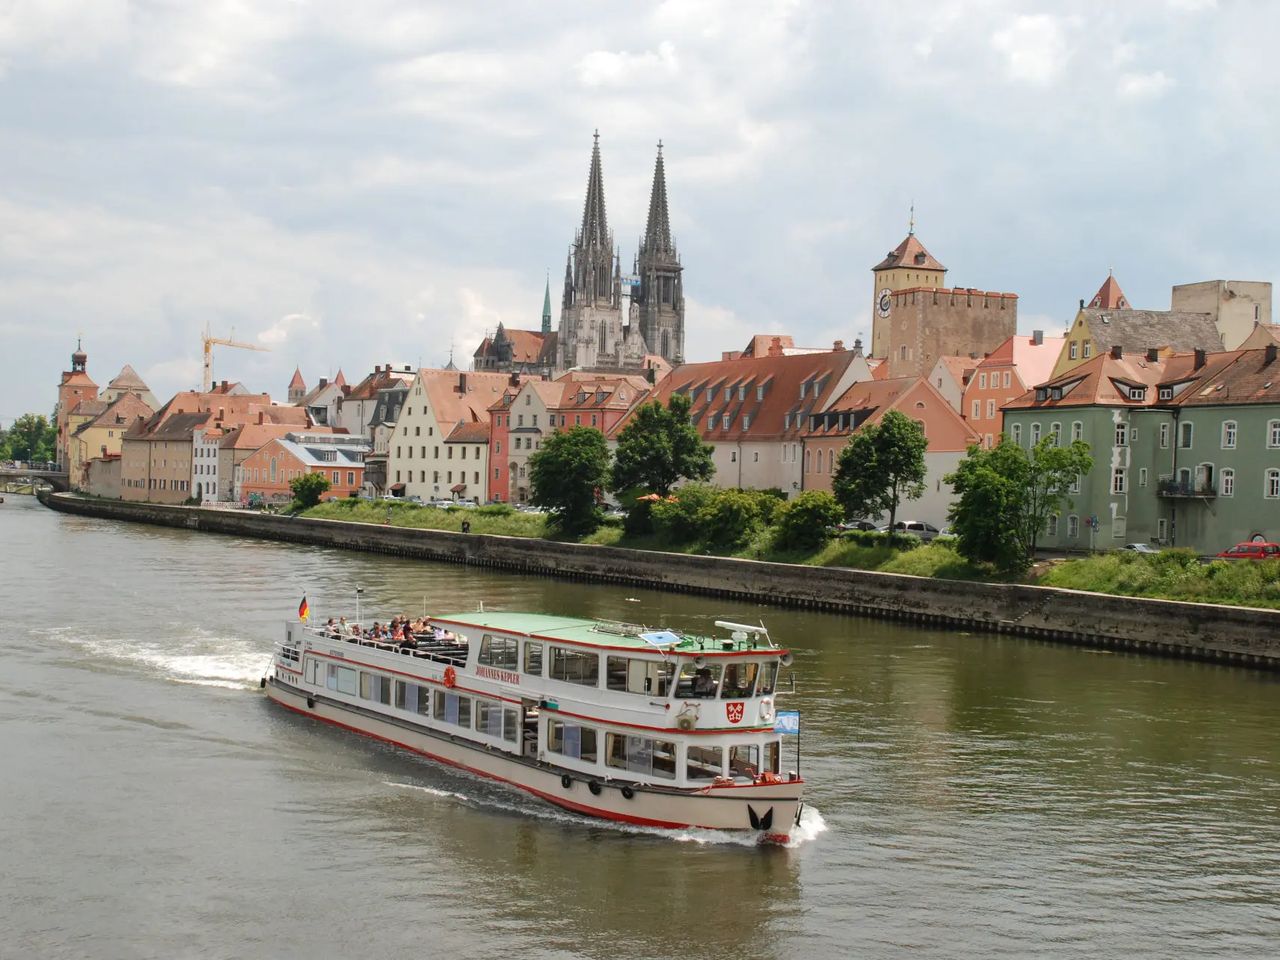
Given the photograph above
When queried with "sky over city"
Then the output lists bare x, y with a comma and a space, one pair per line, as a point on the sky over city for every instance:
349, 184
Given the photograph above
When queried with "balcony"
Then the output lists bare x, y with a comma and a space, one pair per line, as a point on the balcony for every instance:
1198, 489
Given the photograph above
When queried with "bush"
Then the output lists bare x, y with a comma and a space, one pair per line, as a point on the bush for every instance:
675, 519
729, 518
495, 510
806, 522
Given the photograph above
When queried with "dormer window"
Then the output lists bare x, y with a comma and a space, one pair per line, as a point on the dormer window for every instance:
802, 387
760, 392
1057, 393
1042, 394
1166, 393
1138, 393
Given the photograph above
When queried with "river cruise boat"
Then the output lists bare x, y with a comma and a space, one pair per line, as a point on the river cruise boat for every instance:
611, 720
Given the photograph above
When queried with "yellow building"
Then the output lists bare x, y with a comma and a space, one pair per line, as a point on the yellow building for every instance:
100, 436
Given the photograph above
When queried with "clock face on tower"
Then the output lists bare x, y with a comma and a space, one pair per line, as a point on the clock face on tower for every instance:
885, 301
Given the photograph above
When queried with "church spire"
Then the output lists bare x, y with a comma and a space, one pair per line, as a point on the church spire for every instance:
595, 226
546, 306
657, 231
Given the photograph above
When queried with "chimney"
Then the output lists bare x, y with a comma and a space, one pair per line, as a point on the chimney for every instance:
222, 413
1269, 354
260, 416
651, 374
462, 383
376, 368
514, 379
1199, 360
324, 381
775, 347
1153, 354
1082, 304
1037, 338
837, 346
1116, 352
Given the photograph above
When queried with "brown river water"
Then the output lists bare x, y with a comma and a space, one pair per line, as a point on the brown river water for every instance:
970, 795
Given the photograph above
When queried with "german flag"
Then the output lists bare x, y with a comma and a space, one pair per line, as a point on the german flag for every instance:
304, 611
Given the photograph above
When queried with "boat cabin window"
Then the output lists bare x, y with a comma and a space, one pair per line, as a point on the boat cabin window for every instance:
500, 652
575, 666
739, 680
572, 740
413, 697
744, 761
343, 679
768, 679
533, 658
639, 676
698, 681
704, 763
452, 708
375, 687
497, 721
642, 755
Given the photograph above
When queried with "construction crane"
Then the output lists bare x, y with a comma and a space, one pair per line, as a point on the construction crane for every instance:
210, 342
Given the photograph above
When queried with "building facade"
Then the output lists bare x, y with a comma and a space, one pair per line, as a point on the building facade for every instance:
1018, 364
266, 473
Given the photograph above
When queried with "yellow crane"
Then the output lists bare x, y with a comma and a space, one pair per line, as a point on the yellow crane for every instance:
210, 342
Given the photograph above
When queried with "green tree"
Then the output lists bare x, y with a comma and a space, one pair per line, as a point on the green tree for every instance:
308, 489
805, 522
881, 466
565, 475
659, 448
31, 437
1005, 496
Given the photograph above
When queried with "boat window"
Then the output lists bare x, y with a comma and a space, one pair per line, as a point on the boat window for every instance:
375, 687
500, 652
452, 708
739, 680
704, 763
572, 740
312, 668
744, 761
343, 679
768, 678
642, 755
496, 721
773, 756
533, 658
411, 697
698, 681
639, 676
575, 666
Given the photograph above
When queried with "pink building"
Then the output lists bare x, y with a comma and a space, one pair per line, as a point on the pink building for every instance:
1013, 368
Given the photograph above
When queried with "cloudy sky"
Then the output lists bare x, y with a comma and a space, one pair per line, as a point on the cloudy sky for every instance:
352, 183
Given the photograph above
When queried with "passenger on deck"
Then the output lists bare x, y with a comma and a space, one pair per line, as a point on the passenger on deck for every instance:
703, 683
330, 628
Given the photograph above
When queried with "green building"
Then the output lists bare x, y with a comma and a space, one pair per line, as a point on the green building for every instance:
1186, 448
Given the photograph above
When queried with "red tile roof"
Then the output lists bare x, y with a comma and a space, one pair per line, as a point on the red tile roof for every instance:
909, 253
466, 432
1109, 296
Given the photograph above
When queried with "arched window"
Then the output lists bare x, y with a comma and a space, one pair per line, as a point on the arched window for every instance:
1229, 430
1273, 433
1016, 433
1271, 488
1227, 482
604, 338
806, 461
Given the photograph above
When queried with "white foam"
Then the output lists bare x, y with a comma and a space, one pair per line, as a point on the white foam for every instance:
811, 821
227, 662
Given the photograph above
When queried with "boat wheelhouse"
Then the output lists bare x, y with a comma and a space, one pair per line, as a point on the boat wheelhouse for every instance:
613, 720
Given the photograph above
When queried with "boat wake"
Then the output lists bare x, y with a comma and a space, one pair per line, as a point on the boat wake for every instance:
811, 822
199, 658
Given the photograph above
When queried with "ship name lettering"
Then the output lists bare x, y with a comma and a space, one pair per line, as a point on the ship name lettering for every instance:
492, 673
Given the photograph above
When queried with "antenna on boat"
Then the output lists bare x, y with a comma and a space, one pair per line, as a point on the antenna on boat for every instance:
481, 610
359, 591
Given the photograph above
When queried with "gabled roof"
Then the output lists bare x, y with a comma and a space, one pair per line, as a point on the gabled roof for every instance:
314, 450
909, 253
1034, 362
1109, 296
1236, 377
463, 397
868, 401
469, 432
526, 345
88, 408
1098, 381
297, 383
251, 436
128, 380
367, 389
780, 410
1136, 331
958, 367
121, 413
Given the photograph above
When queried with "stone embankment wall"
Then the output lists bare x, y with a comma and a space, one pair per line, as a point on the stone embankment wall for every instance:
1201, 631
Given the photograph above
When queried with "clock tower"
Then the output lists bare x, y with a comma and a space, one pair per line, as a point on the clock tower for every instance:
907, 266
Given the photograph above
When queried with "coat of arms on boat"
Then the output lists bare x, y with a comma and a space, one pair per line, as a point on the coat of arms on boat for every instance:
734, 711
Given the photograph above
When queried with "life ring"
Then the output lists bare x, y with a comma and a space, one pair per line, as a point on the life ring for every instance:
594, 787
566, 781
628, 793
766, 710
450, 677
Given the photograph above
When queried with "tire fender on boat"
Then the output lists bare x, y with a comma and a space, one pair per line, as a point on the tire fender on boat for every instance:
628, 793
566, 781
594, 787
311, 703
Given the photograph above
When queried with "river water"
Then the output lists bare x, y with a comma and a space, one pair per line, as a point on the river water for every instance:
971, 795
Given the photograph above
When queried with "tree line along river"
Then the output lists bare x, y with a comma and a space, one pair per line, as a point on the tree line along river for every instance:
970, 795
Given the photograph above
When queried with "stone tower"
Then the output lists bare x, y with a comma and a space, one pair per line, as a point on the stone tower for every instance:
546, 309
657, 305
297, 386
906, 267
591, 332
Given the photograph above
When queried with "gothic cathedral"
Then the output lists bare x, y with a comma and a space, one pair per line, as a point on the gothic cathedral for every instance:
592, 332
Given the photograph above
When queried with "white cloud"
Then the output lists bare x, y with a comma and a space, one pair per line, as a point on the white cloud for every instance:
287, 326
605, 68
1034, 46
1144, 86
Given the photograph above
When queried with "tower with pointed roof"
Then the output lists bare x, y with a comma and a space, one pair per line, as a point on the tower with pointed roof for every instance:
76, 387
657, 305
591, 332
546, 308
905, 267
297, 386
1109, 295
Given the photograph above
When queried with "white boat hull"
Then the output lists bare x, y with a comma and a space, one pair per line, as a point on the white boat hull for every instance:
767, 809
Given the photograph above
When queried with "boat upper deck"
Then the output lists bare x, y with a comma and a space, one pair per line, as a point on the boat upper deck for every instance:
610, 635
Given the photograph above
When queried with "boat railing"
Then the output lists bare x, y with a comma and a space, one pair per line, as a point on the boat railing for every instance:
448, 652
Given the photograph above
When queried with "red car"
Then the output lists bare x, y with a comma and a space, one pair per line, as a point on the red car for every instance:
1252, 551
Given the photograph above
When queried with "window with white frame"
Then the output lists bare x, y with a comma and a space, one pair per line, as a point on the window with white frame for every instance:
1162, 529
1142, 476
1273, 433
982, 381
1164, 436
1186, 435
977, 410
1227, 482
991, 409
1077, 430
1016, 433
1119, 480
1074, 350
1052, 527
1008, 379
1073, 527
1271, 489
1122, 434
1229, 434
1075, 484
1055, 431
1035, 434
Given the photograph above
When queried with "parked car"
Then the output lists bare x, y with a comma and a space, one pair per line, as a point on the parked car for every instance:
917, 528
1139, 548
857, 525
1259, 550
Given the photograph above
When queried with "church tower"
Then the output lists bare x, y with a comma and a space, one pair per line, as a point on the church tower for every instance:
907, 266
546, 309
76, 386
591, 332
658, 303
